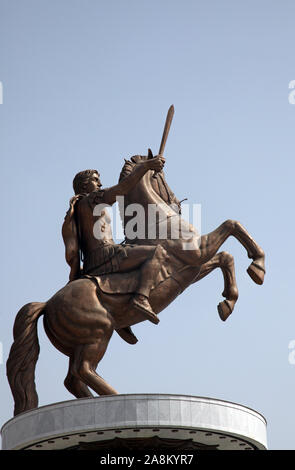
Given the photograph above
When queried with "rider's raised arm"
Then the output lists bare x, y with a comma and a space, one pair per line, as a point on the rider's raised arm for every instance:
128, 183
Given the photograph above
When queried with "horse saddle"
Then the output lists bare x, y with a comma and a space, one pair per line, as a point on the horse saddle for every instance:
123, 283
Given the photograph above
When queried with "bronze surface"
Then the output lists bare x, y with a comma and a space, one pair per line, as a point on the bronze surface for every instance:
119, 285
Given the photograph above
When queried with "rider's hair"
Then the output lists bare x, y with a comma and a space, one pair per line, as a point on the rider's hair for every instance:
81, 180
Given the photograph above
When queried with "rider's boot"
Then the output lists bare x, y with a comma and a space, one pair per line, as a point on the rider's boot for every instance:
141, 303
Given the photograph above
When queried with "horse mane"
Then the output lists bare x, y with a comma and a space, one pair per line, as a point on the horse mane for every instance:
159, 183
129, 165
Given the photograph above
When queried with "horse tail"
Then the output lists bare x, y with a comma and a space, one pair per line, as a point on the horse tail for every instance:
23, 356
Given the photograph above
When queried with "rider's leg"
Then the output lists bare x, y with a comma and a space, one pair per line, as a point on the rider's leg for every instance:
150, 260
149, 270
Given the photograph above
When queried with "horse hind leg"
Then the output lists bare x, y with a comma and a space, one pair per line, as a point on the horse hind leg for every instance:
85, 362
71, 382
74, 385
225, 262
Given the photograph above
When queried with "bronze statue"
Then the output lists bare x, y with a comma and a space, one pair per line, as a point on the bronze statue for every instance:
120, 285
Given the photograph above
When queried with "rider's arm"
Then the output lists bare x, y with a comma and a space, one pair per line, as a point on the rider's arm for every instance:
128, 183
73, 259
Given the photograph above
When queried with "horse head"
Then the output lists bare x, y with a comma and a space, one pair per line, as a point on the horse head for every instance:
151, 193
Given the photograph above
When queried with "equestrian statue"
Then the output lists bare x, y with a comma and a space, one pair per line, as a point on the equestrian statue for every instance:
114, 286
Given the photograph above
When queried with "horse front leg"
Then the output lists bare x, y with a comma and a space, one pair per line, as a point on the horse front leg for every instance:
225, 262
210, 244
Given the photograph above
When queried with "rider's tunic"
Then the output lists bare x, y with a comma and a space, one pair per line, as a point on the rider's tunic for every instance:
106, 257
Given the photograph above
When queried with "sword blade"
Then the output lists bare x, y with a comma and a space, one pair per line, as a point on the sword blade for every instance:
169, 118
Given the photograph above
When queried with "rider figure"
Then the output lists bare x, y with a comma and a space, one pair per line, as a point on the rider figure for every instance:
100, 254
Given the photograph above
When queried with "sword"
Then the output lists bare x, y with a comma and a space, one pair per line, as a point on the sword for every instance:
169, 118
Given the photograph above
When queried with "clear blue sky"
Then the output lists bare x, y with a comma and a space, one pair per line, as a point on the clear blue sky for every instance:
87, 84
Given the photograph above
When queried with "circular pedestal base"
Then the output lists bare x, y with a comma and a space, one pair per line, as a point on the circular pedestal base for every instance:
137, 421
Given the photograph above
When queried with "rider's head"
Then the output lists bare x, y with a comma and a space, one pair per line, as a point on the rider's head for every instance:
86, 181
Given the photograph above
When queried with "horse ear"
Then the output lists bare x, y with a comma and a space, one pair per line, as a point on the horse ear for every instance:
150, 153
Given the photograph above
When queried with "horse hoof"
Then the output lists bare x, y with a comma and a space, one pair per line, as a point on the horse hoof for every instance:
224, 309
256, 272
127, 334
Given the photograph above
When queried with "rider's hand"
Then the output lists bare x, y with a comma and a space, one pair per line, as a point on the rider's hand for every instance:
73, 201
156, 163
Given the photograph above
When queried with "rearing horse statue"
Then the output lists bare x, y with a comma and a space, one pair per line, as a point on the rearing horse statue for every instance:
81, 317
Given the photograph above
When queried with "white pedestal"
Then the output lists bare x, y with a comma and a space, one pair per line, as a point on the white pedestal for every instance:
205, 423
